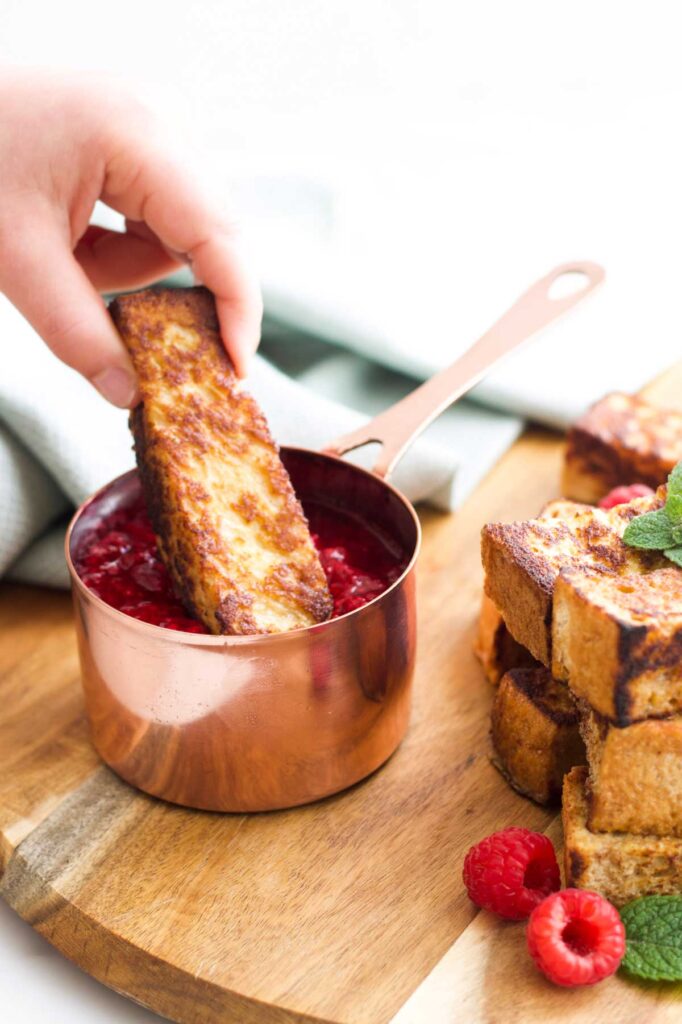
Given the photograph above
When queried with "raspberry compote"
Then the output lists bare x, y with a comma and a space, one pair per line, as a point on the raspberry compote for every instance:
358, 565
120, 563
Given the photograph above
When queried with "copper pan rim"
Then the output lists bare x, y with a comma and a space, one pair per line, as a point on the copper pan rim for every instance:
210, 640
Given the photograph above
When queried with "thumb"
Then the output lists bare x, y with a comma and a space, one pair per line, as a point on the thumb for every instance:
41, 277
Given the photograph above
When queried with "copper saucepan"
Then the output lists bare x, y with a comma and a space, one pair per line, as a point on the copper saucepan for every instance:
232, 723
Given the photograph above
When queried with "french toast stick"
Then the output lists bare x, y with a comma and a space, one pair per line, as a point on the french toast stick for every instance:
534, 733
617, 638
230, 528
495, 647
622, 439
619, 865
635, 774
520, 561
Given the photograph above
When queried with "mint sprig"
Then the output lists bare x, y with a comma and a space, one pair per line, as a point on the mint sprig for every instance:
653, 938
661, 530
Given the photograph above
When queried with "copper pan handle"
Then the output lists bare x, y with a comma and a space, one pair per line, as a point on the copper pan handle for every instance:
397, 427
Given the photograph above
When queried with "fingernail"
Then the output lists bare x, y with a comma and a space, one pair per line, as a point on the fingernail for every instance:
117, 385
243, 366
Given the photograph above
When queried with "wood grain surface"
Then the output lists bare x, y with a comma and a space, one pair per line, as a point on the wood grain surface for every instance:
349, 911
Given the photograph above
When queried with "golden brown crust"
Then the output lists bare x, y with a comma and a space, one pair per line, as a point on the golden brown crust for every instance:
617, 638
495, 647
523, 560
230, 528
622, 439
620, 866
635, 774
534, 732
520, 585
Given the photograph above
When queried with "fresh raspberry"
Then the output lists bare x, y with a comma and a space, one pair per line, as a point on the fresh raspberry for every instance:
576, 937
624, 495
511, 872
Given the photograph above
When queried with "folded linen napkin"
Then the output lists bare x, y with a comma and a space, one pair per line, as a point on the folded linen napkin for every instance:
59, 441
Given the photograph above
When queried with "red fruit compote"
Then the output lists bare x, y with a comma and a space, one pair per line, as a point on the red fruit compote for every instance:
119, 561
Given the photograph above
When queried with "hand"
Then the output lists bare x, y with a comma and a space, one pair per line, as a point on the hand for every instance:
66, 142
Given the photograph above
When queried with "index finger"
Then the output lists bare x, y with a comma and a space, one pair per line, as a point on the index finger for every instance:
145, 185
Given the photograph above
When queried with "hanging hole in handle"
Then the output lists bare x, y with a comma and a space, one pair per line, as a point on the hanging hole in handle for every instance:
570, 282
364, 455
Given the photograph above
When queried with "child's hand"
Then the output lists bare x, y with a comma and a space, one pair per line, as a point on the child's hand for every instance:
64, 143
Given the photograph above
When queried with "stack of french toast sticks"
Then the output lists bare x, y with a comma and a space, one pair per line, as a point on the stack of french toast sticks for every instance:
582, 636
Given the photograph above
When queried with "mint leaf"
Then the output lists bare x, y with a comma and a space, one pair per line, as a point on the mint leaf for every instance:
653, 531
675, 480
675, 555
661, 530
673, 508
653, 935
673, 505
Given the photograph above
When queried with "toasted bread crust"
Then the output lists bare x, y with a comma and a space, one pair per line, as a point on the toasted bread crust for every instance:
495, 647
534, 732
522, 563
620, 866
622, 439
635, 774
229, 526
520, 585
522, 560
617, 638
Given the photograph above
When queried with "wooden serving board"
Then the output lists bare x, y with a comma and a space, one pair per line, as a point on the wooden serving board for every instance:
349, 911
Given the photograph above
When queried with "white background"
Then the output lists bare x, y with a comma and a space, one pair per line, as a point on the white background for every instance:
458, 150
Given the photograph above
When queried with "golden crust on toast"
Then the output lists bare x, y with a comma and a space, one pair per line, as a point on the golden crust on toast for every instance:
635, 774
621, 866
622, 439
523, 560
230, 528
617, 638
534, 733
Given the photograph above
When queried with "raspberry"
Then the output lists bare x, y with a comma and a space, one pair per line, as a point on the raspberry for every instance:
624, 495
576, 937
511, 872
